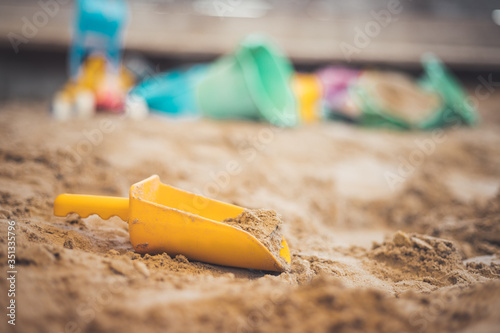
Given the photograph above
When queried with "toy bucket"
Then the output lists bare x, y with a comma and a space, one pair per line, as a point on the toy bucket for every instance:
253, 83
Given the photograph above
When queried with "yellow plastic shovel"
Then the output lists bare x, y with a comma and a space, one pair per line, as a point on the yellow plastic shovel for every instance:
165, 219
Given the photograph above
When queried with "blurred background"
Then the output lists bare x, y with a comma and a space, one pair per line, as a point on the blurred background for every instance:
389, 34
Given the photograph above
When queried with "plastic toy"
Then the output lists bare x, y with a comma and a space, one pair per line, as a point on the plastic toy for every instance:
253, 83
97, 79
165, 219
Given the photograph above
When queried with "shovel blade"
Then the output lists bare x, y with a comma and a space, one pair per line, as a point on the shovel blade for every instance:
165, 219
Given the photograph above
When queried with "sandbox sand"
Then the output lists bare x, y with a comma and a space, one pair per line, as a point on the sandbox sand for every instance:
265, 225
378, 243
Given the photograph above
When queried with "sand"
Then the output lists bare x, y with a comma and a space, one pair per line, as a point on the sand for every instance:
399, 95
378, 243
265, 225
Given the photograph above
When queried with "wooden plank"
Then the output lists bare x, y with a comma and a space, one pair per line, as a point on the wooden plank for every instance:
465, 43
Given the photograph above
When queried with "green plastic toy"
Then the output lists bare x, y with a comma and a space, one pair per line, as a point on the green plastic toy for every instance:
453, 109
253, 83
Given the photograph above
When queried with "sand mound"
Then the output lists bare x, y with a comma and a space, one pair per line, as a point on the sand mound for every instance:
265, 225
419, 257
326, 181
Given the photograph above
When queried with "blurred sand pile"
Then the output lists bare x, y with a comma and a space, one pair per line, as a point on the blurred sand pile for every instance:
352, 267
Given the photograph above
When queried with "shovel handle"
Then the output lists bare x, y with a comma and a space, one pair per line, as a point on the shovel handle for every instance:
85, 205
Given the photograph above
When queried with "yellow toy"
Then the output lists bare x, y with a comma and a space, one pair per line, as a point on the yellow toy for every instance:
95, 88
308, 92
165, 219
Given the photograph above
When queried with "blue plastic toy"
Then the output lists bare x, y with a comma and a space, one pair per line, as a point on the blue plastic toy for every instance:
98, 28
173, 92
